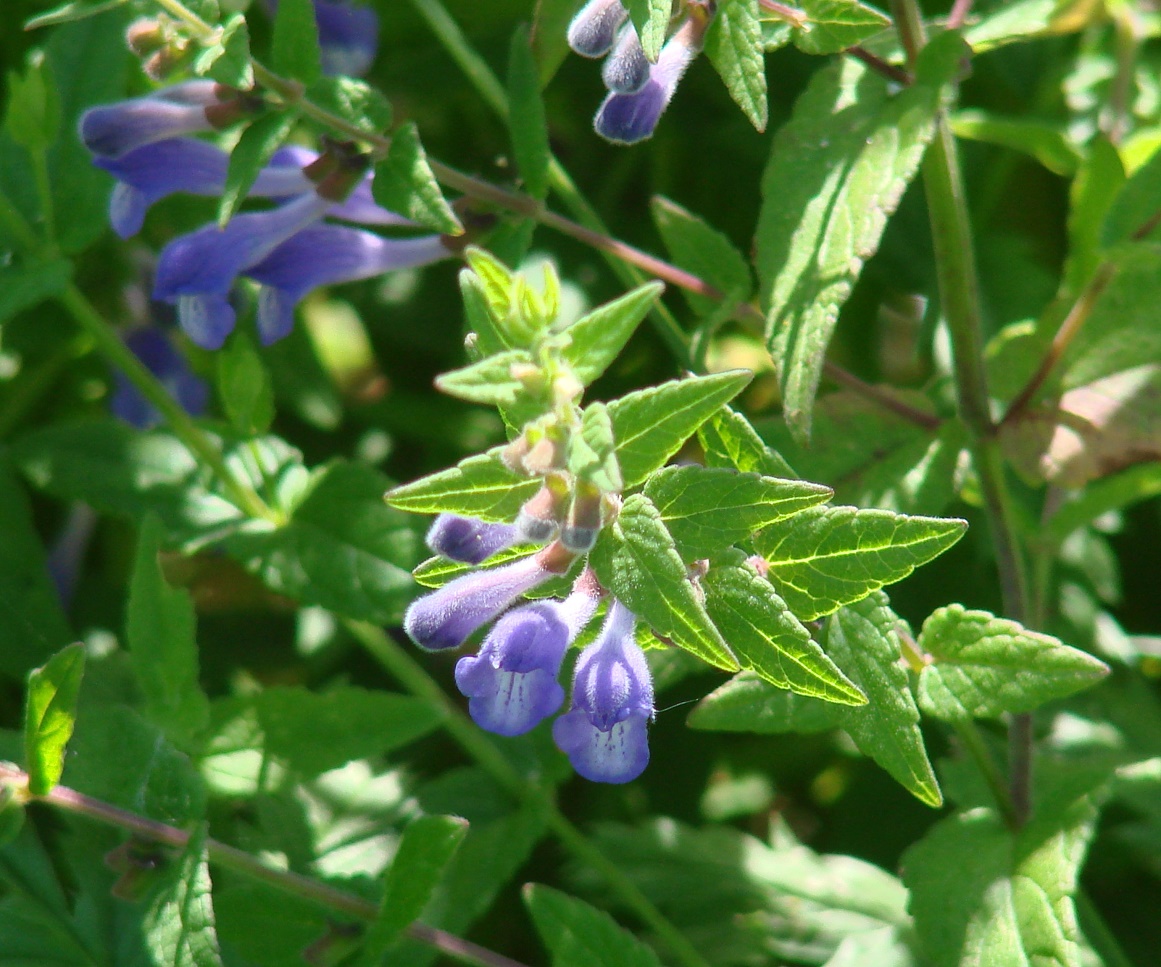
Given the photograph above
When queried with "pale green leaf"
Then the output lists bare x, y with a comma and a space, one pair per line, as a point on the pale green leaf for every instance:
490, 381
592, 455
228, 61
650, 425
480, 486
834, 25
598, 337
294, 46
982, 666
651, 20
404, 183
579, 935
50, 711
527, 123
729, 440
734, 45
836, 173
435, 572
179, 923
1047, 143
709, 508
768, 639
1019, 22
823, 558
160, 632
636, 560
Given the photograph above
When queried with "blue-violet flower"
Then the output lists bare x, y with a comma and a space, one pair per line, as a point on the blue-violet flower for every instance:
112, 130
605, 733
348, 35
155, 348
467, 539
594, 28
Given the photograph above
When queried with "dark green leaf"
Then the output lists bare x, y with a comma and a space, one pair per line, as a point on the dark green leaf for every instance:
748, 702
651, 19
479, 486
314, 732
426, 848
729, 440
68, 12
26, 286
355, 101
707, 509
823, 558
404, 184
836, 173
636, 560
244, 385
254, 148
179, 923
769, 640
33, 113
703, 250
734, 45
835, 25
526, 119
32, 624
160, 631
342, 548
270, 927
983, 666
50, 711
582, 936
490, 381
650, 425
597, 338
295, 44
549, 36
1094, 190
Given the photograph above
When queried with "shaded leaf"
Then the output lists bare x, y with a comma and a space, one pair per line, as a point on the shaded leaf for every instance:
580, 935
179, 923
701, 249
255, 147
355, 101
526, 119
1047, 143
26, 286
729, 440
294, 45
405, 184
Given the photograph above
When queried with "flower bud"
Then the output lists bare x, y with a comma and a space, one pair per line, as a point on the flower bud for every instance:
626, 69
580, 531
541, 514
592, 30
467, 539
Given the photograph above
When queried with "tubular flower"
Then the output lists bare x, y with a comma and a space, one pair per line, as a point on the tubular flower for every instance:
512, 683
467, 539
154, 347
112, 130
446, 617
594, 28
605, 733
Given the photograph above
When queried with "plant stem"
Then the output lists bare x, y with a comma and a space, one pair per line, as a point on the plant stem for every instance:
409, 673
959, 14
242, 862
971, 739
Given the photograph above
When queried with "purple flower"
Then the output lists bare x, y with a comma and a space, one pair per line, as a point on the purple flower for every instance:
511, 684
112, 130
446, 617
605, 733
325, 255
147, 174
593, 30
196, 271
467, 539
155, 349
626, 70
628, 118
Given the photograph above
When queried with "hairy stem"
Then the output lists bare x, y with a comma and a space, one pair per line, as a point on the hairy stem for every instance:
409, 673
230, 857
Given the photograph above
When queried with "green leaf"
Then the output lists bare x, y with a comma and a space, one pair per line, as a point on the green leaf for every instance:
355, 101
636, 560
836, 173
244, 386
650, 425
1013, 902
983, 666
427, 846
269, 927
228, 61
651, 19
707, 509
26, 286
597, 338
526, 119
1112, 493
769, 640
1135, 206
117, 756
890, 463
68, 12
33, 114
749, 702
549, 36
1023, 20
592, 455
160, 632
729, 440
342, 549
405, 184
50, 711
435, 572
579, 935
32, 623
490, 381
1093, 192
179, 926
823, 558
703, 250
315, 732
1047, 143
734, 45
295, 42
835, 25
254, 148
480, 486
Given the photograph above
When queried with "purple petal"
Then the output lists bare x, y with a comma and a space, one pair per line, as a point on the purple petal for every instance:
593, 29
467, 539
348, 37
114, 129
612, 679
446, 617
206, 319
619, 754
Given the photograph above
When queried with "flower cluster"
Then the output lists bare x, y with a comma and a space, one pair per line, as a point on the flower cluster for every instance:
512, 682
639, 91
288, 250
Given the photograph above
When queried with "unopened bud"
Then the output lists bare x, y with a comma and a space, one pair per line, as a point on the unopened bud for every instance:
544, 456
512, 456
580, 531
145, 36
166, 61
233, 107
540, 516
566, 388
